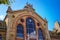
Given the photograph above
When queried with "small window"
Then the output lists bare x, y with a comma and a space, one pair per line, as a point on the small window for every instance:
22, 20
38, 24
44, 24
13, 16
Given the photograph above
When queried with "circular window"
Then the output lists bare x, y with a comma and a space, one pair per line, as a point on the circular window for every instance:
13, 16
22, 20
38, 24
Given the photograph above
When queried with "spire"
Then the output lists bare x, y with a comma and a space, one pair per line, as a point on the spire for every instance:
45, 19
9, 9
28, 6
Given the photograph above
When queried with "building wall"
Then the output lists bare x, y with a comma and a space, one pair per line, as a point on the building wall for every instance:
3, 30
6, 20
3, 34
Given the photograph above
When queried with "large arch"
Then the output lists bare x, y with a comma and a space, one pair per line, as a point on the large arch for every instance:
18, 18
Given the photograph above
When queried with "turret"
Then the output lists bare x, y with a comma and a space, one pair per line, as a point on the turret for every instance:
9, 9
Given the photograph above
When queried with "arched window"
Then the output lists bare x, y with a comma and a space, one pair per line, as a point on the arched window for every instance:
40, 35
30, 28
20, 32
0, 37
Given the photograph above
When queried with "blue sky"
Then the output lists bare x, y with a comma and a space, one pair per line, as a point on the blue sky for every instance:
45, 8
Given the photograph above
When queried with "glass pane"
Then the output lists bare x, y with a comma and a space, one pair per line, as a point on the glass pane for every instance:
40, 34
30, 28
20, 32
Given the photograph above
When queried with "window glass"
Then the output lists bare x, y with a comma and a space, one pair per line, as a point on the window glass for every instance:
30, 28
40, 34
20, 32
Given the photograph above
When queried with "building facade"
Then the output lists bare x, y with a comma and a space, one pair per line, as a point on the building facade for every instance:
25, 24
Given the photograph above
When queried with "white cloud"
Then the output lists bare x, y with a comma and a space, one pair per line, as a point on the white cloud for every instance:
1, 17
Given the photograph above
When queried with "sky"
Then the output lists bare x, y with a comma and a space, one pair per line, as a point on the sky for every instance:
49, 9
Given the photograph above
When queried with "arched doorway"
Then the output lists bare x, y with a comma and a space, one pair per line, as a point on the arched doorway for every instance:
30, 29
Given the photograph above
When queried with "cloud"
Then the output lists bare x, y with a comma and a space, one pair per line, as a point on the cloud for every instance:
1, 17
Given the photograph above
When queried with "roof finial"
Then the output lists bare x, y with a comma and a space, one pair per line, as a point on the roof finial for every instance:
45, 19
27, 3
9, 9
28, 6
